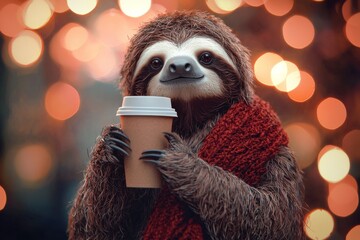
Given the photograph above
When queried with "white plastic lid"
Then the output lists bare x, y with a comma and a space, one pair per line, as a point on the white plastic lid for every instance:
146, 106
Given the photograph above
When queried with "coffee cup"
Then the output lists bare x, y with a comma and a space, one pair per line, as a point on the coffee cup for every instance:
144, 119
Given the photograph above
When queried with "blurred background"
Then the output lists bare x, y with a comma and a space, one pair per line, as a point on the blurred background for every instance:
59, 70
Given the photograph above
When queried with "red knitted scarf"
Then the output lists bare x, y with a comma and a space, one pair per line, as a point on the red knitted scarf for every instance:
242, 142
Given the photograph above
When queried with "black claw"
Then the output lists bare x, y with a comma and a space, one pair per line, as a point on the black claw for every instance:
152, 155
119, 143
116, 148
117, 133
170, 137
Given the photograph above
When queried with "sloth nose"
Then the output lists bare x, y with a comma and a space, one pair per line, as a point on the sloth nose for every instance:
182, 67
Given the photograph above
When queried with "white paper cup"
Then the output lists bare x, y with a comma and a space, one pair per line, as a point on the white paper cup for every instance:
144, 119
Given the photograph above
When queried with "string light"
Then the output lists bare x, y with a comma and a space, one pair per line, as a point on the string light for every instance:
10, 22
354, 233
279, 7
228, 6
298, 31
352, 29
331, 113
305, 90
33, 163
134, 8
304, 140
263, 67
3, 198
62, 101
334, 165
26, 49
350, 143
343, 198
37, 13
81, 7
319, 224
285, 76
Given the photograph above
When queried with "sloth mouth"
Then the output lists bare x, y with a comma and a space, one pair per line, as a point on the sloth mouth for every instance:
182, 79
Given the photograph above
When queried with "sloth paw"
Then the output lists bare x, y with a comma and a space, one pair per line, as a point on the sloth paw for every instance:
118, 142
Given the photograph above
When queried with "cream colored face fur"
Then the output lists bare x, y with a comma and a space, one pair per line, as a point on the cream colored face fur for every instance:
209, 86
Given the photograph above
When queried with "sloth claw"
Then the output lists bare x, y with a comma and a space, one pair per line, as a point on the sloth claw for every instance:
152, 155
116, 148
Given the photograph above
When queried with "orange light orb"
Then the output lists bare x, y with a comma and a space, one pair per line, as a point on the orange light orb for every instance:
255, 3
334, 165
352, 29
285, 76
304, 140
37, 13
11, 23
298, 31
135, 8
229, 5
33, 163
305, 90
354, 233
59, 6
81, 7
26, 49
62, 101
263, 67
211, 4
343, 199
319, 224
331, 113
351, 144
3, 198
279, 7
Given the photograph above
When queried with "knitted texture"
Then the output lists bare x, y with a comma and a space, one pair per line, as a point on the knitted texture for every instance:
242, 142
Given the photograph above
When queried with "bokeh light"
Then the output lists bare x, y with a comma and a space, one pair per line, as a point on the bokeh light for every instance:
334, 165
214, 7
62, 101
59, 6
57, 49
88, 51
279, 7
304, 141
37, 13
104, 67
331, 113
354, 233
254, 3
351, 144
134, 8
33, 163
3, 198
11, 23
81, 7
343, 198
229, 5
263, 67
352, 29
112, 28
346, 9
26, 49
319, 224
285, 76
298, 31
305, 90
75, 37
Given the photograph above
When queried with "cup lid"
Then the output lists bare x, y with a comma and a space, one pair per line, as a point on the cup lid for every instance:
146, 106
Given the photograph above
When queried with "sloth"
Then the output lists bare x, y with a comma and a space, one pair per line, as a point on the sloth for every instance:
227, 171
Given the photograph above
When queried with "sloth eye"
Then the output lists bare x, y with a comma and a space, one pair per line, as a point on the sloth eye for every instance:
206, 58
156, 63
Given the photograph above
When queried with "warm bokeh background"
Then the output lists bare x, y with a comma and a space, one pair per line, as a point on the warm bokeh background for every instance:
59, 68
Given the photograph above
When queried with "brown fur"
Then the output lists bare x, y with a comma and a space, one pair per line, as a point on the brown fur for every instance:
105, 209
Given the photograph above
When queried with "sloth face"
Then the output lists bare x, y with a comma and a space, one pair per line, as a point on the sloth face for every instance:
193, 69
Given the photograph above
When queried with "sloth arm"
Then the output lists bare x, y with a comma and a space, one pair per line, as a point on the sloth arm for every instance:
104, 208
230, 208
